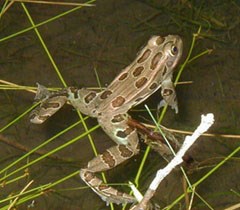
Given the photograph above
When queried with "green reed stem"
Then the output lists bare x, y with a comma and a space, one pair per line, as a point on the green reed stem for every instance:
40, 146
204, 177
44, 22
44, 45
51, 152
188, 56
11, 197
40, 191
18, 118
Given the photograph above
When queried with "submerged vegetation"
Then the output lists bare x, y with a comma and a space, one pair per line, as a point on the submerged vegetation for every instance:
79, 43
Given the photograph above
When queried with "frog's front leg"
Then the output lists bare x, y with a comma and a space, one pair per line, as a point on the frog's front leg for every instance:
127, 139
169, 95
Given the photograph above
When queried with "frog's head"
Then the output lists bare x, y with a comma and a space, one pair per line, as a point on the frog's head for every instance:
170, 46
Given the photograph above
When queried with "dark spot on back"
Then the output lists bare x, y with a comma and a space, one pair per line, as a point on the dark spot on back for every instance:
155, 60
105, 94
89, 97
138, 71
123, 76
153, 86
117, 102
117, 118
121, 134
103, 187
159, 40
144, 56
141, 82
88, 176
164, 71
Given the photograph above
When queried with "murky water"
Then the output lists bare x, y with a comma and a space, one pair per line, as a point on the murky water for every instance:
106, 38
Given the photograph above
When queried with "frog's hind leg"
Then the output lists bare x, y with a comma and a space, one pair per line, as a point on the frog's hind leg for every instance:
119, 131
51, 101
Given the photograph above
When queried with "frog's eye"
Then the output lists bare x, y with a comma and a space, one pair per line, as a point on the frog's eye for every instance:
174, 50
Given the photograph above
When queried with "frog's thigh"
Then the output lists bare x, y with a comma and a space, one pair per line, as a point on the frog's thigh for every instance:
47, 108
116, 126
83, 100
127, 144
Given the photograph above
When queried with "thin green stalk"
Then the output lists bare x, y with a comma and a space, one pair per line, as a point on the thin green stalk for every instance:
17, 118
15, 180
159, 129
51, 152
216, 167
44, 45
98, 79
11, 197
167, 142
44, 22
202, 199
41, 190
57, 70
188, 56
208, 51
3, 8
140, 168
204, 177
40, 146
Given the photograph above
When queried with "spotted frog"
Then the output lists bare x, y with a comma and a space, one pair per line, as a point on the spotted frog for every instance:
152, 69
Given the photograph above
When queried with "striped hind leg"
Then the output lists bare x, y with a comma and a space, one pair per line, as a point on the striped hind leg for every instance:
111, 158
51, 101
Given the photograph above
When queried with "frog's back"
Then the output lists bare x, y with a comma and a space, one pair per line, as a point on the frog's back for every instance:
154, 64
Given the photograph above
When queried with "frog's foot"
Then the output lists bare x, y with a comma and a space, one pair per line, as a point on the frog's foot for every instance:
164, 103
106, 193
42, 93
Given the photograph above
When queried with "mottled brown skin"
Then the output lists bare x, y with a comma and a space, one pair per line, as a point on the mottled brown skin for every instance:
152, 69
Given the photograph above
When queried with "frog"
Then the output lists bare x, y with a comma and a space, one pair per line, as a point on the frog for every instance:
151, 70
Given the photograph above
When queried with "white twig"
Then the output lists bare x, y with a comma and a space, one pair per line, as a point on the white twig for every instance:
206, 122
